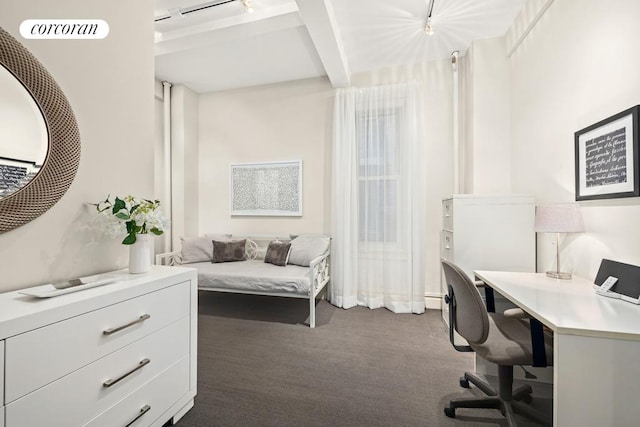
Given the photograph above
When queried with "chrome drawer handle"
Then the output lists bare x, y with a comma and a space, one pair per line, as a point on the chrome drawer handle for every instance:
119, 328
109, 383
143, 411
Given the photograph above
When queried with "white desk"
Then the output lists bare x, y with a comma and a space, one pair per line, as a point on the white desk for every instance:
596, 346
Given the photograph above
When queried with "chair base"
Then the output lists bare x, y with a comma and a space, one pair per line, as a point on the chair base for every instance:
507, 401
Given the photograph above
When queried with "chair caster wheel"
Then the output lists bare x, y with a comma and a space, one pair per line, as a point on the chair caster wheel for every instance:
450, 412
464, 383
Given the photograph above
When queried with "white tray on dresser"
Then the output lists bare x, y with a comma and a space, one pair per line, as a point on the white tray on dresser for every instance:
51, 290
123, 353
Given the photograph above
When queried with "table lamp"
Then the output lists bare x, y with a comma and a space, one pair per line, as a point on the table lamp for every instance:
561, 218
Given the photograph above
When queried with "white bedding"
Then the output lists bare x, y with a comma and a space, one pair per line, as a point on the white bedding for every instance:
253, 275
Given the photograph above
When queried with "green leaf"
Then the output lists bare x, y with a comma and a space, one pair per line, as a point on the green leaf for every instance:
156, 231
119, 205
133, 209
122, 215
130, 239
132, 228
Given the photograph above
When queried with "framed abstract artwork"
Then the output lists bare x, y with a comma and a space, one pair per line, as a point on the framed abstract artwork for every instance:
606, 157
266, 189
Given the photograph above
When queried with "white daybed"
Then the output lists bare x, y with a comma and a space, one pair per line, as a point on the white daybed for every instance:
255, 276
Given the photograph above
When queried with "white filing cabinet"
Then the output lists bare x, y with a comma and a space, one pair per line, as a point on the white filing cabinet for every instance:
487, 232
118, 354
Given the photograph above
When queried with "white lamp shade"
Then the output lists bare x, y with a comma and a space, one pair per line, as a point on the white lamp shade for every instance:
562, 218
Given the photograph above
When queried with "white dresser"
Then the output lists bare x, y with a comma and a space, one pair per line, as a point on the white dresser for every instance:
487, 232
122, 354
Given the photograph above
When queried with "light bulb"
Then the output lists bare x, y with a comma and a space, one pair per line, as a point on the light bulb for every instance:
248, 7
429, 28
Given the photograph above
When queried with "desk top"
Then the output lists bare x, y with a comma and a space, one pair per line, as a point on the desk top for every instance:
567, 306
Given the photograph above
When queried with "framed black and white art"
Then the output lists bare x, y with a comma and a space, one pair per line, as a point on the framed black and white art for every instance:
266, 189
607, 158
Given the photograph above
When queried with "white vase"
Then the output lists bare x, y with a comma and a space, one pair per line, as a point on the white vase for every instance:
140, 254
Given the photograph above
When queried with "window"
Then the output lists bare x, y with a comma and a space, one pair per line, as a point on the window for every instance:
378, 172
379, 194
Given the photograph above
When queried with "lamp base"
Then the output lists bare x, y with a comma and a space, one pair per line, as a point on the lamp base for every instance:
559, 275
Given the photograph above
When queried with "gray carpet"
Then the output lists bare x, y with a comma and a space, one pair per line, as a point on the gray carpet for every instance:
259, 364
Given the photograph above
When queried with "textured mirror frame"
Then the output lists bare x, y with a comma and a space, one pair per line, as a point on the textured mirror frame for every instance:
63, 155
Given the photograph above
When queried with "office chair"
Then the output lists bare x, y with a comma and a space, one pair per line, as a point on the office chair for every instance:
503, 340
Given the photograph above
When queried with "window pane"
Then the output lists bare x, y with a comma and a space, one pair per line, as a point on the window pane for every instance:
378, 210
377, 137
377, 145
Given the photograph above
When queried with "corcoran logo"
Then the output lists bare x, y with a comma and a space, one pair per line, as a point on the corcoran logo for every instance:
64, 29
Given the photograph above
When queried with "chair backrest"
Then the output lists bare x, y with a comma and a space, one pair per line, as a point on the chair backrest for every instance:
471, 319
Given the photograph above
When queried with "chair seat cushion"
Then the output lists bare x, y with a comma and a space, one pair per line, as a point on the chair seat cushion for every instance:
509, 342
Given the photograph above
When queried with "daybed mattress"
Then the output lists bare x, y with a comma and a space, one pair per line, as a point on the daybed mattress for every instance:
253, 275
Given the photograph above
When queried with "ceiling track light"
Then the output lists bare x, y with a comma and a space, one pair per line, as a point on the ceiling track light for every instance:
172, 13
247, 6
428, 29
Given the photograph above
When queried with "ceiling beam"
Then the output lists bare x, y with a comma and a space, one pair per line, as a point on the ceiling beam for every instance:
531, 13
319, 18
229, 29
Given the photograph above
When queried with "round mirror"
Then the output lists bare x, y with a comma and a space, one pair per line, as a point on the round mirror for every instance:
23, 135
45, 186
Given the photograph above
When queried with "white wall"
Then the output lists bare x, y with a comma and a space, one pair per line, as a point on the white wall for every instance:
109, 84
465, 124
578, 66
438, 79
286, 121
158, 158
485, 127
185, 178
160, 180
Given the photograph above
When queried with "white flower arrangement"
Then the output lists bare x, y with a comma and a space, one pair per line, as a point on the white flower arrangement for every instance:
131, 216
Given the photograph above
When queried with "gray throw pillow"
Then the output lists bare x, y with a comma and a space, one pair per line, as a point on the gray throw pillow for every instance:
305, 249
198, 249
278, 253
229, 251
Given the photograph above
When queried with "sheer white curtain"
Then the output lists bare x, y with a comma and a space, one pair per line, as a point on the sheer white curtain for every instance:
378, 222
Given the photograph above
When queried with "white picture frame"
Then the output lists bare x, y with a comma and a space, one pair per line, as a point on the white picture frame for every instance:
266, 189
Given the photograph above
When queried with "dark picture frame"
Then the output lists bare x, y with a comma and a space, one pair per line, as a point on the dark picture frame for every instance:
606, 157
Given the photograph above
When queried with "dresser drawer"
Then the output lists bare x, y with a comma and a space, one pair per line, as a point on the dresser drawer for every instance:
150, 401
447, 246
447, 214
78, 397
1, 416
38, 357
